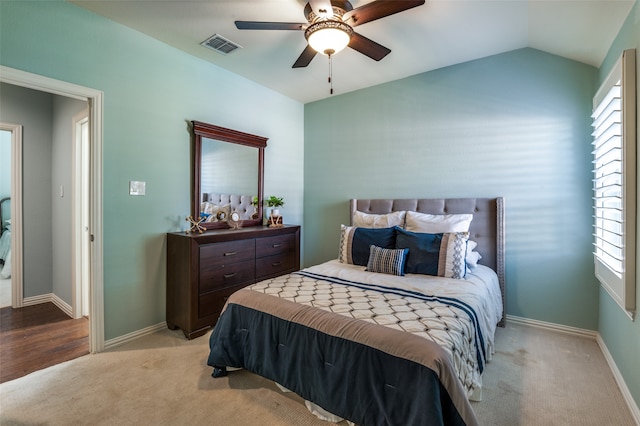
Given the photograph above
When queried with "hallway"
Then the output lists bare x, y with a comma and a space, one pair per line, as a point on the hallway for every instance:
39, 336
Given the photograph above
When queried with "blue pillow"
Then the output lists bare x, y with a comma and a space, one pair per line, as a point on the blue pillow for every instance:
355, 243
441, 255
424, 251
387, 261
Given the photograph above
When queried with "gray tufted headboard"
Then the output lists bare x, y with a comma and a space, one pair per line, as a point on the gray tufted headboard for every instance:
487, 227
238, 203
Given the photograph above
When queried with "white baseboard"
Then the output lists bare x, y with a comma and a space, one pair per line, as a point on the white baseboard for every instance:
626, 394
552, 326
64, 306
50, 297
120, 340
36, 300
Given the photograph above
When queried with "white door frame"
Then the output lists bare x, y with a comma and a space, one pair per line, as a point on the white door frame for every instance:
95, 99
80, 237
16, 212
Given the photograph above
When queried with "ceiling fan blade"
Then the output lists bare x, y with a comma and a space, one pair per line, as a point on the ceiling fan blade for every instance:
322, 8
305, 58
253, 25
368, 47
378, 9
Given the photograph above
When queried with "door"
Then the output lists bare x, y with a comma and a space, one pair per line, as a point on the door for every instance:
81, 215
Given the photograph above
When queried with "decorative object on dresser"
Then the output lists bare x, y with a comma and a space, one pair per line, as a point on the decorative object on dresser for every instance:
195, 225
275, 220
203, 270
234, 221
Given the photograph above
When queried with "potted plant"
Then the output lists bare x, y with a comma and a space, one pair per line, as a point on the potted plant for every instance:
274, 202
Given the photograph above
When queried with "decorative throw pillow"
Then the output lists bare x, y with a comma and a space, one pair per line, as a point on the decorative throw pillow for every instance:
437, 223
441, 254
355, 242
424, 250
368, 220
452, 258
387, 261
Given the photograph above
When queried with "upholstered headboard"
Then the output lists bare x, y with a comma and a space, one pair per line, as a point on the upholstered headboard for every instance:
487, 227
238, 203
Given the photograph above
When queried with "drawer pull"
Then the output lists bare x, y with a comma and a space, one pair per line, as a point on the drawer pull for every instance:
276, 245
231, 253
274, 264
229, 275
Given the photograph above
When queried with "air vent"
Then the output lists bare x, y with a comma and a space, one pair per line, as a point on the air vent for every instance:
220, 44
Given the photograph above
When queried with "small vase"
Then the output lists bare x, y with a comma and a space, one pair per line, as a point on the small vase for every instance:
275, 212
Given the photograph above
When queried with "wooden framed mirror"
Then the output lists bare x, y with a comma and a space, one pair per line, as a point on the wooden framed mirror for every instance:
228, 173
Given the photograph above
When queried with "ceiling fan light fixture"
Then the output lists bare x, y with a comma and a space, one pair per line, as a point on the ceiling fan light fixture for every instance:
328, 37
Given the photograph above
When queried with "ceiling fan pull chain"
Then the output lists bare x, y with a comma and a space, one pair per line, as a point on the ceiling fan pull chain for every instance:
330, 75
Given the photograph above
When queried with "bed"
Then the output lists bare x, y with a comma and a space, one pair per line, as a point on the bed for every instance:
381, 343
5, 238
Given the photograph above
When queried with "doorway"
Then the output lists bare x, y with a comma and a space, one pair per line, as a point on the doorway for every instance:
93, 248
11, 214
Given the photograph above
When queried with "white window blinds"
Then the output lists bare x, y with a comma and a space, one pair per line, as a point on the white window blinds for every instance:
614, 183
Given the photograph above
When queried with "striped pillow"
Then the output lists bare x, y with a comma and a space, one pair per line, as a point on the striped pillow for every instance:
387, 261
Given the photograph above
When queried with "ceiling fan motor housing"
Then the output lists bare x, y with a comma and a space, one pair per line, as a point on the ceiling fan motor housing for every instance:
339, 8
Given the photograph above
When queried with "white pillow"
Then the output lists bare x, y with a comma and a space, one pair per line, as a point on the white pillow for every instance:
6, 271
438, 223
389, 220
472, 256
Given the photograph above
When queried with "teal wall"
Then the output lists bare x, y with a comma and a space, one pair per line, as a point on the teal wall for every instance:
514, 125
619, 333
150, 91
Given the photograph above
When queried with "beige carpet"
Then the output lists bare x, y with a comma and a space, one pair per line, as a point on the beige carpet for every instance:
537, 377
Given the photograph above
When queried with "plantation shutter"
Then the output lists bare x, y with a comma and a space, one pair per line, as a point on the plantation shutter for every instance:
614, 182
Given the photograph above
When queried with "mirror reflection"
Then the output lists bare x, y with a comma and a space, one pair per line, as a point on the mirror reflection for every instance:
229, 181
227, 176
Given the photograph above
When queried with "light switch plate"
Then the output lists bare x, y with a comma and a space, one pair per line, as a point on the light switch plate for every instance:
136, 187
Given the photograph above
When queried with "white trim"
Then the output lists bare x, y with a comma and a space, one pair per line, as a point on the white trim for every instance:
37, 300
552, 326
16, 213
77, 232
121, 340
626, 394
96, 103
64, 306
49, 297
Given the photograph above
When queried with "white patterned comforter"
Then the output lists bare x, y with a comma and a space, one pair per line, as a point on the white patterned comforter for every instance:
459, 315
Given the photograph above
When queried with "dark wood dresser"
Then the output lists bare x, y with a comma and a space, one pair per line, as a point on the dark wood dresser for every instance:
204, 269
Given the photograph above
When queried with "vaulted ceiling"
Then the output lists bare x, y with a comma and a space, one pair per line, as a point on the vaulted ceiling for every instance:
435, 35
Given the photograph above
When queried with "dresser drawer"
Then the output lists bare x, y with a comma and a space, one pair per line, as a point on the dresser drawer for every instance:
213, 302
225, 276
270, 246
274, 265
212, 255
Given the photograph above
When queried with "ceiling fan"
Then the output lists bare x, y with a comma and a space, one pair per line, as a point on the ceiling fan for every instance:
330, 27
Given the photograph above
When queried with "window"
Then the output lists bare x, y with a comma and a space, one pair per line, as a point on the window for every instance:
614, 183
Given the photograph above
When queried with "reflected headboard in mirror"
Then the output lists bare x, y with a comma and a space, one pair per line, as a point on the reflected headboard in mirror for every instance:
228, 172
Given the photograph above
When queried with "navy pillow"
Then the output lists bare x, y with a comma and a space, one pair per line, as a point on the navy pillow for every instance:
355, 243
424, 251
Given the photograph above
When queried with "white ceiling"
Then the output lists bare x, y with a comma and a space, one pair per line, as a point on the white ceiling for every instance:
435, 35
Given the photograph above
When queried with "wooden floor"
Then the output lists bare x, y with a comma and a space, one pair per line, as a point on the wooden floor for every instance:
39, 336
